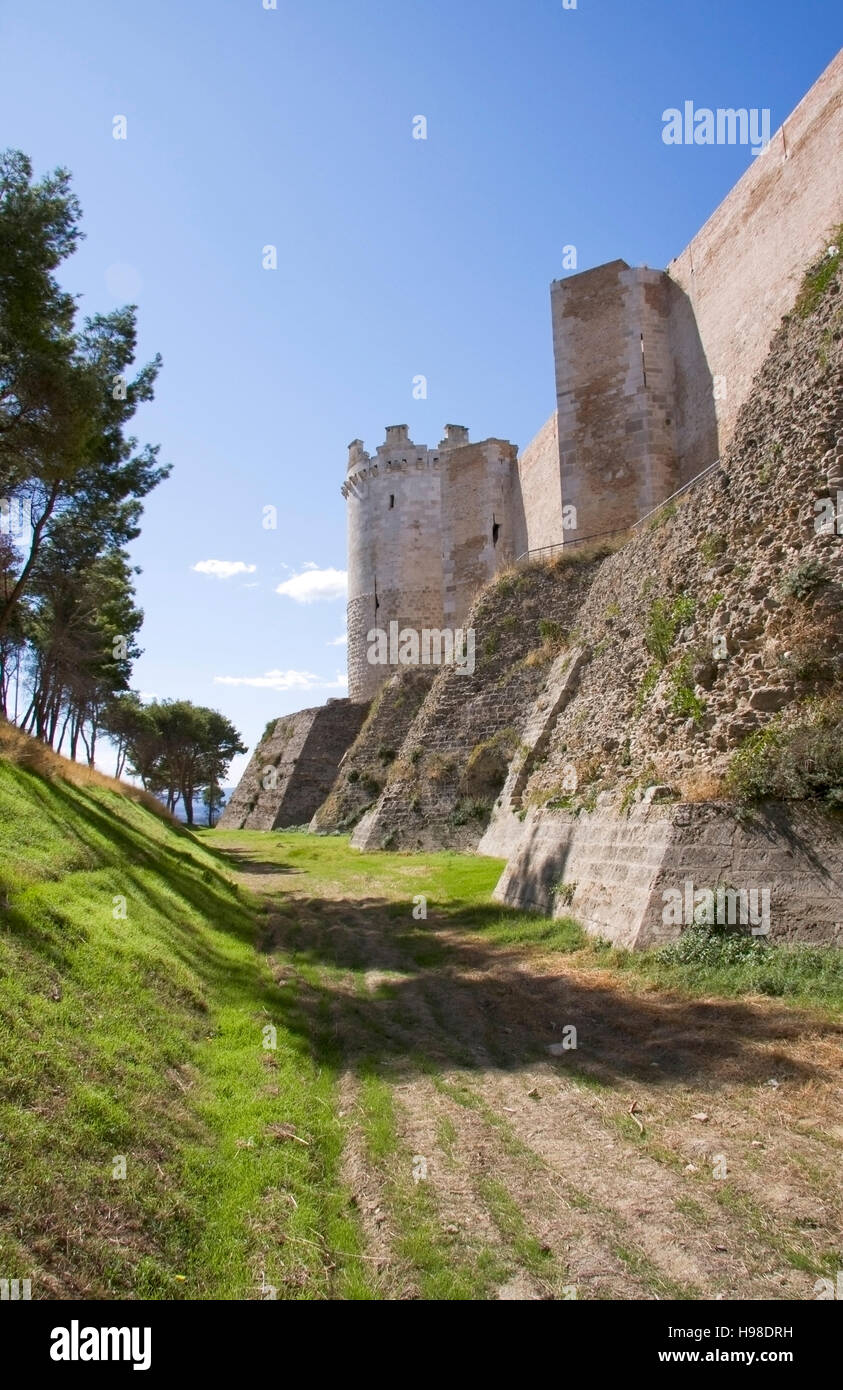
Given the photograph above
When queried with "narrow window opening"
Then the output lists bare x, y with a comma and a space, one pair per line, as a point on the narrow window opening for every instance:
643, 362
496, 530
391, 500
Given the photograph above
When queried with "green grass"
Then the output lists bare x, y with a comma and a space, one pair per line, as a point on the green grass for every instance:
821, 275
529, 1252
142, 1037
459, 887
437, 1266
334, 869
729, 964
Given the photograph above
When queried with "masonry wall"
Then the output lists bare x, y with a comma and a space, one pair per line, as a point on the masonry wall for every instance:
291, 771
478, 519
617, 867
364, 767
394, 548
440, 790
742, 270
540, 485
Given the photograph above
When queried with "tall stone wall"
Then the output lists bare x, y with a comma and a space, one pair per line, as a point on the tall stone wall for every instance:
394, 547
479, 520
540, 485
291, 771
440, 790
364, 768
615, 795
740, 273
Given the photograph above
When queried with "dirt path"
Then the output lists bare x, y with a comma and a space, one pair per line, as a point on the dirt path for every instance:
683, 1148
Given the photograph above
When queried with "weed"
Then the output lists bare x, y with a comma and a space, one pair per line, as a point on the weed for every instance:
683, 699
795, 760
664, 620
712, 547
820, 276
803, 582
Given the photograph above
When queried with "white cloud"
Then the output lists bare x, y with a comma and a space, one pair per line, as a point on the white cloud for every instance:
285, 680
223, 569
313, 585
340, 641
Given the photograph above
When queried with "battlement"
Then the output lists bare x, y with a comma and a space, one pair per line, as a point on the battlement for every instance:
454, 435
357, 456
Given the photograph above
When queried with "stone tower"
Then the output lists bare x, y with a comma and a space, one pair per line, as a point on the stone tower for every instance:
614, 394
426, 528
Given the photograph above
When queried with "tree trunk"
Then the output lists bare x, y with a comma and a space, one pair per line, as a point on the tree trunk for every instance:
7, 607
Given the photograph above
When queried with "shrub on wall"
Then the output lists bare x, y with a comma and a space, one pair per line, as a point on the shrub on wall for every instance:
796, 761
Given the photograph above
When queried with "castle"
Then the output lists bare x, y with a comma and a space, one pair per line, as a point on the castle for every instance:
652, 369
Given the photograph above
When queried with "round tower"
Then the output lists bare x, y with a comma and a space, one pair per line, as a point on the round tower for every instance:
394, 549
426, 529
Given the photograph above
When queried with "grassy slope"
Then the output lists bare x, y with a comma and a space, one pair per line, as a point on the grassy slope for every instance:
143, 1037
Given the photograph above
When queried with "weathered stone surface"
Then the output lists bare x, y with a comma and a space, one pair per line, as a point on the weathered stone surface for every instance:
291, 771
426, 802
742, 270
364, 767
732, 657
615, 394
503, 832
612, 870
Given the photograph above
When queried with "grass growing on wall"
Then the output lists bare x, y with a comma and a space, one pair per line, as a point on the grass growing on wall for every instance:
820, 276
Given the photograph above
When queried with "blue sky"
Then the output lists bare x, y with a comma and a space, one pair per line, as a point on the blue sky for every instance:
292, 127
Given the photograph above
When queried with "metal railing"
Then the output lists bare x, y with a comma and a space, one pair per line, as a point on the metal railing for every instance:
678, 493
547, 552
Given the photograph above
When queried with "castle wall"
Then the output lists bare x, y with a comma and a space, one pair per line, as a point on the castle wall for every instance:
291, 771
364, 768
742, 270
618, 866
394, 549
541, 489
441, 789
478, 520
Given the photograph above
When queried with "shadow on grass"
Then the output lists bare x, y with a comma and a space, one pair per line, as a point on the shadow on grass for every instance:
377, 987
113, 842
